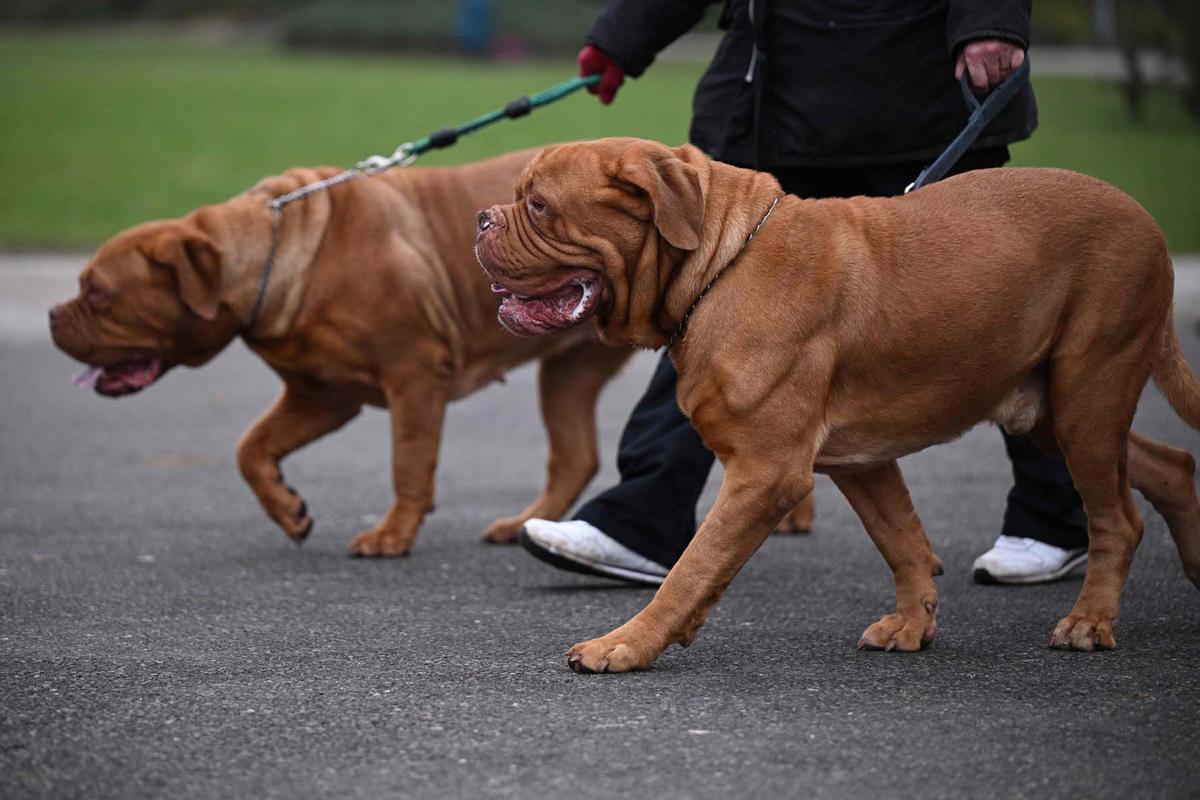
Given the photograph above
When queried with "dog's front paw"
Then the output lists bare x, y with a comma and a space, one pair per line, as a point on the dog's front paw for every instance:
504, 531
899, 632
610, 654
380, 542
290, 512
1077, 632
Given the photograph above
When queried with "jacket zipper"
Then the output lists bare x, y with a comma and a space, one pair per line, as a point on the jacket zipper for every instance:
753, 47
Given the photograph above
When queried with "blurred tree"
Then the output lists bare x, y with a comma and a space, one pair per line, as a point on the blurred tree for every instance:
436, 25
57, 11
1138, 26
1183, 18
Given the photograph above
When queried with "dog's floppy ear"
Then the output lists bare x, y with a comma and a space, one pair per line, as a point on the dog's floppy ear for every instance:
673, 186
196, 262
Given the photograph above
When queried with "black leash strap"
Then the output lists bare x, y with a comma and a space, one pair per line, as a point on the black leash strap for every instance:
982, 115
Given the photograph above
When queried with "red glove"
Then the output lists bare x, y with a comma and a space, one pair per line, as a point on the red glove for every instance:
593, 61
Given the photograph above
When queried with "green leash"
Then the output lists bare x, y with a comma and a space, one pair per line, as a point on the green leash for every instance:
445, 137
402, 156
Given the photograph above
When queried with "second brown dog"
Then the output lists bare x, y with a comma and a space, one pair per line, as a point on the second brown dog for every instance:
374, 299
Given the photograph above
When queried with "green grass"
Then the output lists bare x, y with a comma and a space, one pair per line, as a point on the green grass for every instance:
96, 135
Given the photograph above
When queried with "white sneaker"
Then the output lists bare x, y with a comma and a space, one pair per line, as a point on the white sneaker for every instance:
1015, 559
579, 546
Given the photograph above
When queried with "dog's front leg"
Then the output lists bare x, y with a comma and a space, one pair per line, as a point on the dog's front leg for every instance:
752, 500
302, 413
416, 402
569, 384
882, 502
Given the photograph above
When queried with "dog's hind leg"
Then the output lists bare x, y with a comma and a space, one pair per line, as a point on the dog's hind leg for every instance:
303, 412
569, 384
800, 518
882, 502
1166, 477
1094, 396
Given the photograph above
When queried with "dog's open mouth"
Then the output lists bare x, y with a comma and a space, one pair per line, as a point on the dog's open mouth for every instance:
124, 377
572, 302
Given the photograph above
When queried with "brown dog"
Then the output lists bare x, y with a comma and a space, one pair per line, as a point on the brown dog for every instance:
374, 298
849, 333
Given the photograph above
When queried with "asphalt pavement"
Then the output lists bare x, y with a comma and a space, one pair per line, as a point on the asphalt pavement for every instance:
159, 637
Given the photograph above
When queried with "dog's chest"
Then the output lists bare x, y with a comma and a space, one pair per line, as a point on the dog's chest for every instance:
321, 365
843, 450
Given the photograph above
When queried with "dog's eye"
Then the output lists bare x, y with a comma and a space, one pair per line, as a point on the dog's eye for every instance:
535, 204
95, 297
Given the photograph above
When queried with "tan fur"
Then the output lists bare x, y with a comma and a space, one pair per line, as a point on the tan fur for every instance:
1175, 378
853, 332
375, 299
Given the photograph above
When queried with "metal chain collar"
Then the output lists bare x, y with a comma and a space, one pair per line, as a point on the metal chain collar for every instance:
402, 156
681, 329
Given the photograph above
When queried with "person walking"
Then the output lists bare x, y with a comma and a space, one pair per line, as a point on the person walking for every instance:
835, 100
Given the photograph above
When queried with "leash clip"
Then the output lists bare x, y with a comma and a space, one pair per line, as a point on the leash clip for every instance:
402, 156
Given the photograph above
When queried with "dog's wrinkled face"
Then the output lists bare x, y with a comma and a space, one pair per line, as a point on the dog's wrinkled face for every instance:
595, 230
148, 300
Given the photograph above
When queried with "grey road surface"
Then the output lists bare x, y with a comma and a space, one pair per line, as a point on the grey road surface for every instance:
160, 638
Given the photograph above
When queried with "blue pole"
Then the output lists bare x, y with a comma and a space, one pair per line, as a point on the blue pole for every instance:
475, 26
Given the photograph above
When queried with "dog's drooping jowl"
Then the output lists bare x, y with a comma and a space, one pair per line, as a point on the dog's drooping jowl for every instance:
849, 333
374, 298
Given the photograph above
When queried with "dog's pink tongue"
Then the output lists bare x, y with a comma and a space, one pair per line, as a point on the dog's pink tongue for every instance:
86, 378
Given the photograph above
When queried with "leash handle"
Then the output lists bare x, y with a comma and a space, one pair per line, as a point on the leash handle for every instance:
982, 115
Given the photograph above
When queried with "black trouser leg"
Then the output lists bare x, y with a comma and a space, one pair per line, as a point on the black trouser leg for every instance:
664, 465
1042, 503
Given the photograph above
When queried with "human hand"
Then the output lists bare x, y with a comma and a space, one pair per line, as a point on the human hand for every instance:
989, 62
594, 61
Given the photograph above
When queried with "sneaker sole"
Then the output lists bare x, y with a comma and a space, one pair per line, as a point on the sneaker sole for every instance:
557, 558
983, 576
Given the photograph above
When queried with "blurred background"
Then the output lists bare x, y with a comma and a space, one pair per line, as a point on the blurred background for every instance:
117, 111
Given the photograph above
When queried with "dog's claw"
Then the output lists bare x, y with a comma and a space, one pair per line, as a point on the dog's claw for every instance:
577, 666
504, 531
896, 633
1082, 634
376, 544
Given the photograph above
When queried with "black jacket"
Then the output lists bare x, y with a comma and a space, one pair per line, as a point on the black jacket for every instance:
830, 83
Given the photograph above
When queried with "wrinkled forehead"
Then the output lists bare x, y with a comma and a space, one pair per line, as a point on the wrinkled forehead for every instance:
557, 170
120, 260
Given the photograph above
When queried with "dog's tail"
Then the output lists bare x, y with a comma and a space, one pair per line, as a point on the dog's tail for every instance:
1175, 378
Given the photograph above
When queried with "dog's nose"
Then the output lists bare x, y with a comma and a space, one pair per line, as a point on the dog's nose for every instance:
56, 314
484, 218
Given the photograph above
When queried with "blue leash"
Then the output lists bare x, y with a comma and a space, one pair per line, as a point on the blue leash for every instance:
982, 115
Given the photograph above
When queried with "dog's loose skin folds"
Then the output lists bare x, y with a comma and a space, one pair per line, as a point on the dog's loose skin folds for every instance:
853, 332
375, 299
